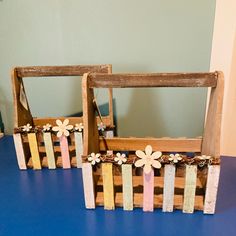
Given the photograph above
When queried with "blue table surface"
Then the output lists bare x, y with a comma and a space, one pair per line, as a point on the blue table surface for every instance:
50, 202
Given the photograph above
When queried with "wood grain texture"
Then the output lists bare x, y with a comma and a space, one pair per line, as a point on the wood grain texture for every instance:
169, 188
152, 80
34, 151
79, 148
65, 152
212, 131
211, 189
47, 137
44, 71
158, 144
108, 186
127, 187
88, 183
148, 191
190, 188
19, 151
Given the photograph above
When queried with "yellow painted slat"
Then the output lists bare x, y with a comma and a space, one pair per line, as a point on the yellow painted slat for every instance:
34, 151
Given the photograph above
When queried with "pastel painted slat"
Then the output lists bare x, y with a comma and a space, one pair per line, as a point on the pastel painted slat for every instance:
211, 189
47, 138
20, 154
169, 188
190, 188
109, 134
79, 148
34, 151
65, 152
127, 187
108, 186
89, 196
148, 191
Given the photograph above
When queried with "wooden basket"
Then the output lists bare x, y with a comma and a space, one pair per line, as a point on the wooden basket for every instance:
186, 172
36, 147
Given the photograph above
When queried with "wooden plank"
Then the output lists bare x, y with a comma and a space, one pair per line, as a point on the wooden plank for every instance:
47, 138
211, 189
65, 152
88, 183
212, 131
34, 151
127, 187
164, 145
108, 186
21, 160
190, 188
152, 80
169, 188
76, 70
148, 191
109, 134
79, 148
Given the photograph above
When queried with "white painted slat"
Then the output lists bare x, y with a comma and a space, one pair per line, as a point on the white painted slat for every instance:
79, 148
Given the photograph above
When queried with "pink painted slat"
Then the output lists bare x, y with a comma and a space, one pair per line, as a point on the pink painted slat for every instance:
65, 152
148, 191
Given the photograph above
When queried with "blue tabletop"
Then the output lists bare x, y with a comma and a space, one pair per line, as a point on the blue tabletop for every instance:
50, 202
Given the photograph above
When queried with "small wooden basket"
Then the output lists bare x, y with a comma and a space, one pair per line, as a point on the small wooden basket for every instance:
36, 144
178, 173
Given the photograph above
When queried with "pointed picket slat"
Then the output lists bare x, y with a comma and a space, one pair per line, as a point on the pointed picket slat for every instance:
211, 189
108, 186
47, 138
169, 188
34, 151
79, 148
20, 154
148, 191
190, 188
127, 187
65, 152
88, 183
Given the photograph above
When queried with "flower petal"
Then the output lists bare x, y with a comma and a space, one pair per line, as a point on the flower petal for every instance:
156, 155
55, 128
69, 127
66, 122
140, 154
59, 134
147, 168
148, 150
66, 133
58, 122
156, 164
140, 163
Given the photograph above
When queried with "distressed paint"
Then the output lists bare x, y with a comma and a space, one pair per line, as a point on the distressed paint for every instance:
65, 152
190, 188
211, 189
47, 137
148, 191
20, 154
34, 151
127, 187
79, 148
88, 183
108, 186
169, 188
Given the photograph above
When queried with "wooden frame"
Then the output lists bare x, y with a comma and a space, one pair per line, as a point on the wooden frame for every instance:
23, 116
195, 181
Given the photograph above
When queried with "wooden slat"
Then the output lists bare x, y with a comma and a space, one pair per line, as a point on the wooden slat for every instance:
169, 188
152, 80
34, 151
65, 152
127, 187
211, 189
108, 186
47, 138
190, 188
79, 148
148, 191
159, 144
76, 70
109, 134
88, 184
19, 151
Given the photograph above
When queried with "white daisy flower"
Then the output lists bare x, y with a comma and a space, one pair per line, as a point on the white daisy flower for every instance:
62, 128
27, 128
148, 159
175, 158
79, 127
120, 158
204, 157
101, 126
47, 127
94, 158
